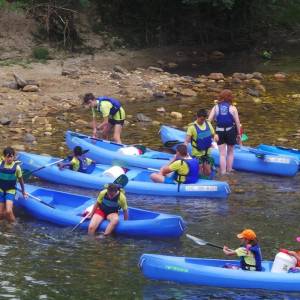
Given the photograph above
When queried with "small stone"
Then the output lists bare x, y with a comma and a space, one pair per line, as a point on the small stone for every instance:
5, 121
47, 133
156, 69
253, 92
81, 122
56, 98
161, 109
20, 81
120, 69
257, 100
159, 95
155, 123
172, 65
282, 140
215, 55
176, 115
142, 118
280, 76
296, 96
116, 76
11, 85
241, 76
216, 76
29, 138
30, 88
258, 75
18, 147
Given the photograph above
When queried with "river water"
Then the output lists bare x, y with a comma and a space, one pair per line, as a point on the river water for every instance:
42, 261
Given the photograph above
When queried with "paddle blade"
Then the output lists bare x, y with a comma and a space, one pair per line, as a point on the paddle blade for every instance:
122, 180
196, 240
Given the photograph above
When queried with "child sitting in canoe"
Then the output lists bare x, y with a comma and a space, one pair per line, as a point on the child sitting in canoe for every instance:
107, 206
10, 173
249, 252
185, 168
78, 162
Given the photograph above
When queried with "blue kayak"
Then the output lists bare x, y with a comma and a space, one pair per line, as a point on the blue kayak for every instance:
290, 152
202, 271
66, 210
245, 158
107, 152
139, 179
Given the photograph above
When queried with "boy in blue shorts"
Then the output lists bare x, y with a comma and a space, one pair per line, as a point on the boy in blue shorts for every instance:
10, 172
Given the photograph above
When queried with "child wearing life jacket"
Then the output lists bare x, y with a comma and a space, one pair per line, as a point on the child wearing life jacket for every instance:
78, 162
112, 112
249, 252
201, 135
10, 173
107, 206
185, 168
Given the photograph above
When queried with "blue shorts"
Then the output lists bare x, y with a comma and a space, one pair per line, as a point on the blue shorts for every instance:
7, 195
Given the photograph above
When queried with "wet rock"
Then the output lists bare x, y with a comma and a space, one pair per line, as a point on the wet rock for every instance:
155, 123
20, 81
142, 118
30, 88
172, 65
241, 76
156, 69
176, 115
161, 110
29, 138
116, 76
188, 93
258, 75
216, 76
249, 76
253, 92
296, 96
120, 69
280, 76
257, 100
5, 121
282, 140
216, 55
159, 95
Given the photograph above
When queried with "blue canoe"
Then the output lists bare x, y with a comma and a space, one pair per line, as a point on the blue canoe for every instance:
210, 272
107, 152
290, 152
139, 179
66, 209
245, 158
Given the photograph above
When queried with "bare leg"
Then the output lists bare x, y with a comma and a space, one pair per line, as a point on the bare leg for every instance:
157, 177
2, 210
95, 223
9, 211
206, 169
113, 222
117, 133
106, 131
229, 160
222, 153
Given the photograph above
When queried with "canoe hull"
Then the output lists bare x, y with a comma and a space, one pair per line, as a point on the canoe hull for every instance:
210, 272
139, 179
68, 209
245, 158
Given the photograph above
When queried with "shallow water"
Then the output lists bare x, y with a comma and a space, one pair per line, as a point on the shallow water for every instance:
42, 261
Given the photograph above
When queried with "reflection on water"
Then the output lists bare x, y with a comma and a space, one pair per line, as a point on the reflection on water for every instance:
41, 261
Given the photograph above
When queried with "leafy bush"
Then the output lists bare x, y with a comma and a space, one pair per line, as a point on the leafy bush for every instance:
40, 53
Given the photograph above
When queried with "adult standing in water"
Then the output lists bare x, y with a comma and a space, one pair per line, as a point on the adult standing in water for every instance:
112, 112
228, 129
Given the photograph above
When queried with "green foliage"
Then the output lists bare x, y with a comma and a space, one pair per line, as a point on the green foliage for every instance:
40, 53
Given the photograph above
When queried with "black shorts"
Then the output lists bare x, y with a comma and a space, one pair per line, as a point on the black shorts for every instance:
227, 137
115, 122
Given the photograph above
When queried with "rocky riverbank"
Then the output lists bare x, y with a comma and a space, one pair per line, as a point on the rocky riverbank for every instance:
32, 98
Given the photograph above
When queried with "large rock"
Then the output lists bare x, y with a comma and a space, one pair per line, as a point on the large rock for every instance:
253, 92
156, 69
20, 81
258, 75
241, 76
280, 76
142, 118
188, 93
11, 85
29, 138
216, 76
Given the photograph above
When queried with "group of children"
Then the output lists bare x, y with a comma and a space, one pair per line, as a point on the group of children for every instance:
185, 169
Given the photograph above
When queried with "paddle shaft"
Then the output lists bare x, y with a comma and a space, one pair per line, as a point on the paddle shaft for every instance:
38, 199
48, 165
81, 221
